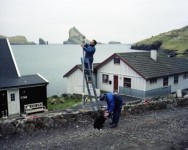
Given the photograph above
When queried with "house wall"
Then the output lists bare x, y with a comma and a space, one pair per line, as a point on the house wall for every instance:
31, 95
74, 81
121, 70
153, 86
182, 84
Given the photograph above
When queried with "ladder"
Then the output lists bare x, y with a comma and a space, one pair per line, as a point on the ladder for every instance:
89, 81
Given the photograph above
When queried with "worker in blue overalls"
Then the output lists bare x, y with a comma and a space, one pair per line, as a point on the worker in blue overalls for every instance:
114, 105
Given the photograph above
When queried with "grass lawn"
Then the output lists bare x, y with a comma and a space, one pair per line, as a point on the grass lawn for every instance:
60, 103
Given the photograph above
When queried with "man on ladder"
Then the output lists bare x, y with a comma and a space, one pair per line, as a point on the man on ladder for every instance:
87, 63
89, 50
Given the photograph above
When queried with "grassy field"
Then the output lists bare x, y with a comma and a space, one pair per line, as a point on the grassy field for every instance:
60, 103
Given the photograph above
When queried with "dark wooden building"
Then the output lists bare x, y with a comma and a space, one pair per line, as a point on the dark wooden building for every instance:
16, 90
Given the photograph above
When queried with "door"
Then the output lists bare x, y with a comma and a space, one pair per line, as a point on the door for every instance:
13, 101
115, 83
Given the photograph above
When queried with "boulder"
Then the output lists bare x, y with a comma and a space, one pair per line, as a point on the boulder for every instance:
8, 129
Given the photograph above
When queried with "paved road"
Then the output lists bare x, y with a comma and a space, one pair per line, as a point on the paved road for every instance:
157, 130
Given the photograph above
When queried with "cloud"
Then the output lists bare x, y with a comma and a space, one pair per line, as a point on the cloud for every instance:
105, 20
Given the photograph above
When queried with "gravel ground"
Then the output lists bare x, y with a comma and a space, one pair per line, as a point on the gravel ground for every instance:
157, 130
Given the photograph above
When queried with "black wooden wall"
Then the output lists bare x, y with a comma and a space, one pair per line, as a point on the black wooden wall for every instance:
3, 102
33, 95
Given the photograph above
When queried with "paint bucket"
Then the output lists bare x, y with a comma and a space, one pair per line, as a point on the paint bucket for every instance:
179, 93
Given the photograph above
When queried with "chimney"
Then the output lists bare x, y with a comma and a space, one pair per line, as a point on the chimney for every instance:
153, 54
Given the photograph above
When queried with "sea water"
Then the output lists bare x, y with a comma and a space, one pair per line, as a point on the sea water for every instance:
54, 60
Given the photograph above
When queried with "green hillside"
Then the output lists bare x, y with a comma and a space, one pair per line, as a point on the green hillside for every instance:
18, 40
173, 40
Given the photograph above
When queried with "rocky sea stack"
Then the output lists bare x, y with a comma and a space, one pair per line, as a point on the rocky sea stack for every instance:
75, 37
175, 40
42, 42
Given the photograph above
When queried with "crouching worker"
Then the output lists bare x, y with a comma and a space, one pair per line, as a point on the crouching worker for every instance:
114, 105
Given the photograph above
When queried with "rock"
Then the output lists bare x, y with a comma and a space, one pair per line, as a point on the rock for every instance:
47, 121
60, 122
42, 42
75, 37
154, 45
53, 101
29, 127
8, 128
61, 100
69, 110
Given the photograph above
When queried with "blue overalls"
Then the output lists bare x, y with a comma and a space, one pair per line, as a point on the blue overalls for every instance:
114, 104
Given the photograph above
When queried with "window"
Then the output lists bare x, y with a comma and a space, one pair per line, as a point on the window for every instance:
127, 82
105, 78
176, 79
153, 80
165, 81
12, 97
185, 75
116, 60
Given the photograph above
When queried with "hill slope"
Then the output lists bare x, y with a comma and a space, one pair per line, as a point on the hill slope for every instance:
175, 40
18, 40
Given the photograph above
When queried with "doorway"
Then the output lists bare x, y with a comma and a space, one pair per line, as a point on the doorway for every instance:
115, 83
13, 101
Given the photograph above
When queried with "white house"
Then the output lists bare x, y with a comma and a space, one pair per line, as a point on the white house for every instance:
75, 80
142, 74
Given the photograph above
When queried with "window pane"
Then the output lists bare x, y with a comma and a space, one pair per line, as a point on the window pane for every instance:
12, 97
154, 80
175, 79
165, 81
185, 75
116, 61
105, 78
127, 82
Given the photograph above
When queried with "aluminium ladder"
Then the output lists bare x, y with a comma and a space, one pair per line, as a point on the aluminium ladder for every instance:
88, 74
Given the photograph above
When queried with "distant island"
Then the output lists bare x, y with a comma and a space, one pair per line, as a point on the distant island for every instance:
171, 41
114, 42
18, 40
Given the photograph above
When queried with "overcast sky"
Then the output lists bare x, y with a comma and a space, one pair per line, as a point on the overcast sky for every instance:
127, 21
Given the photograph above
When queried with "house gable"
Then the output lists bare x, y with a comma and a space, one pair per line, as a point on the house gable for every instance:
80, 68
115, 55
8, 66
73, 70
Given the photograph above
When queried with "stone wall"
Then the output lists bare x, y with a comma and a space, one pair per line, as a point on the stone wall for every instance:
82, 118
